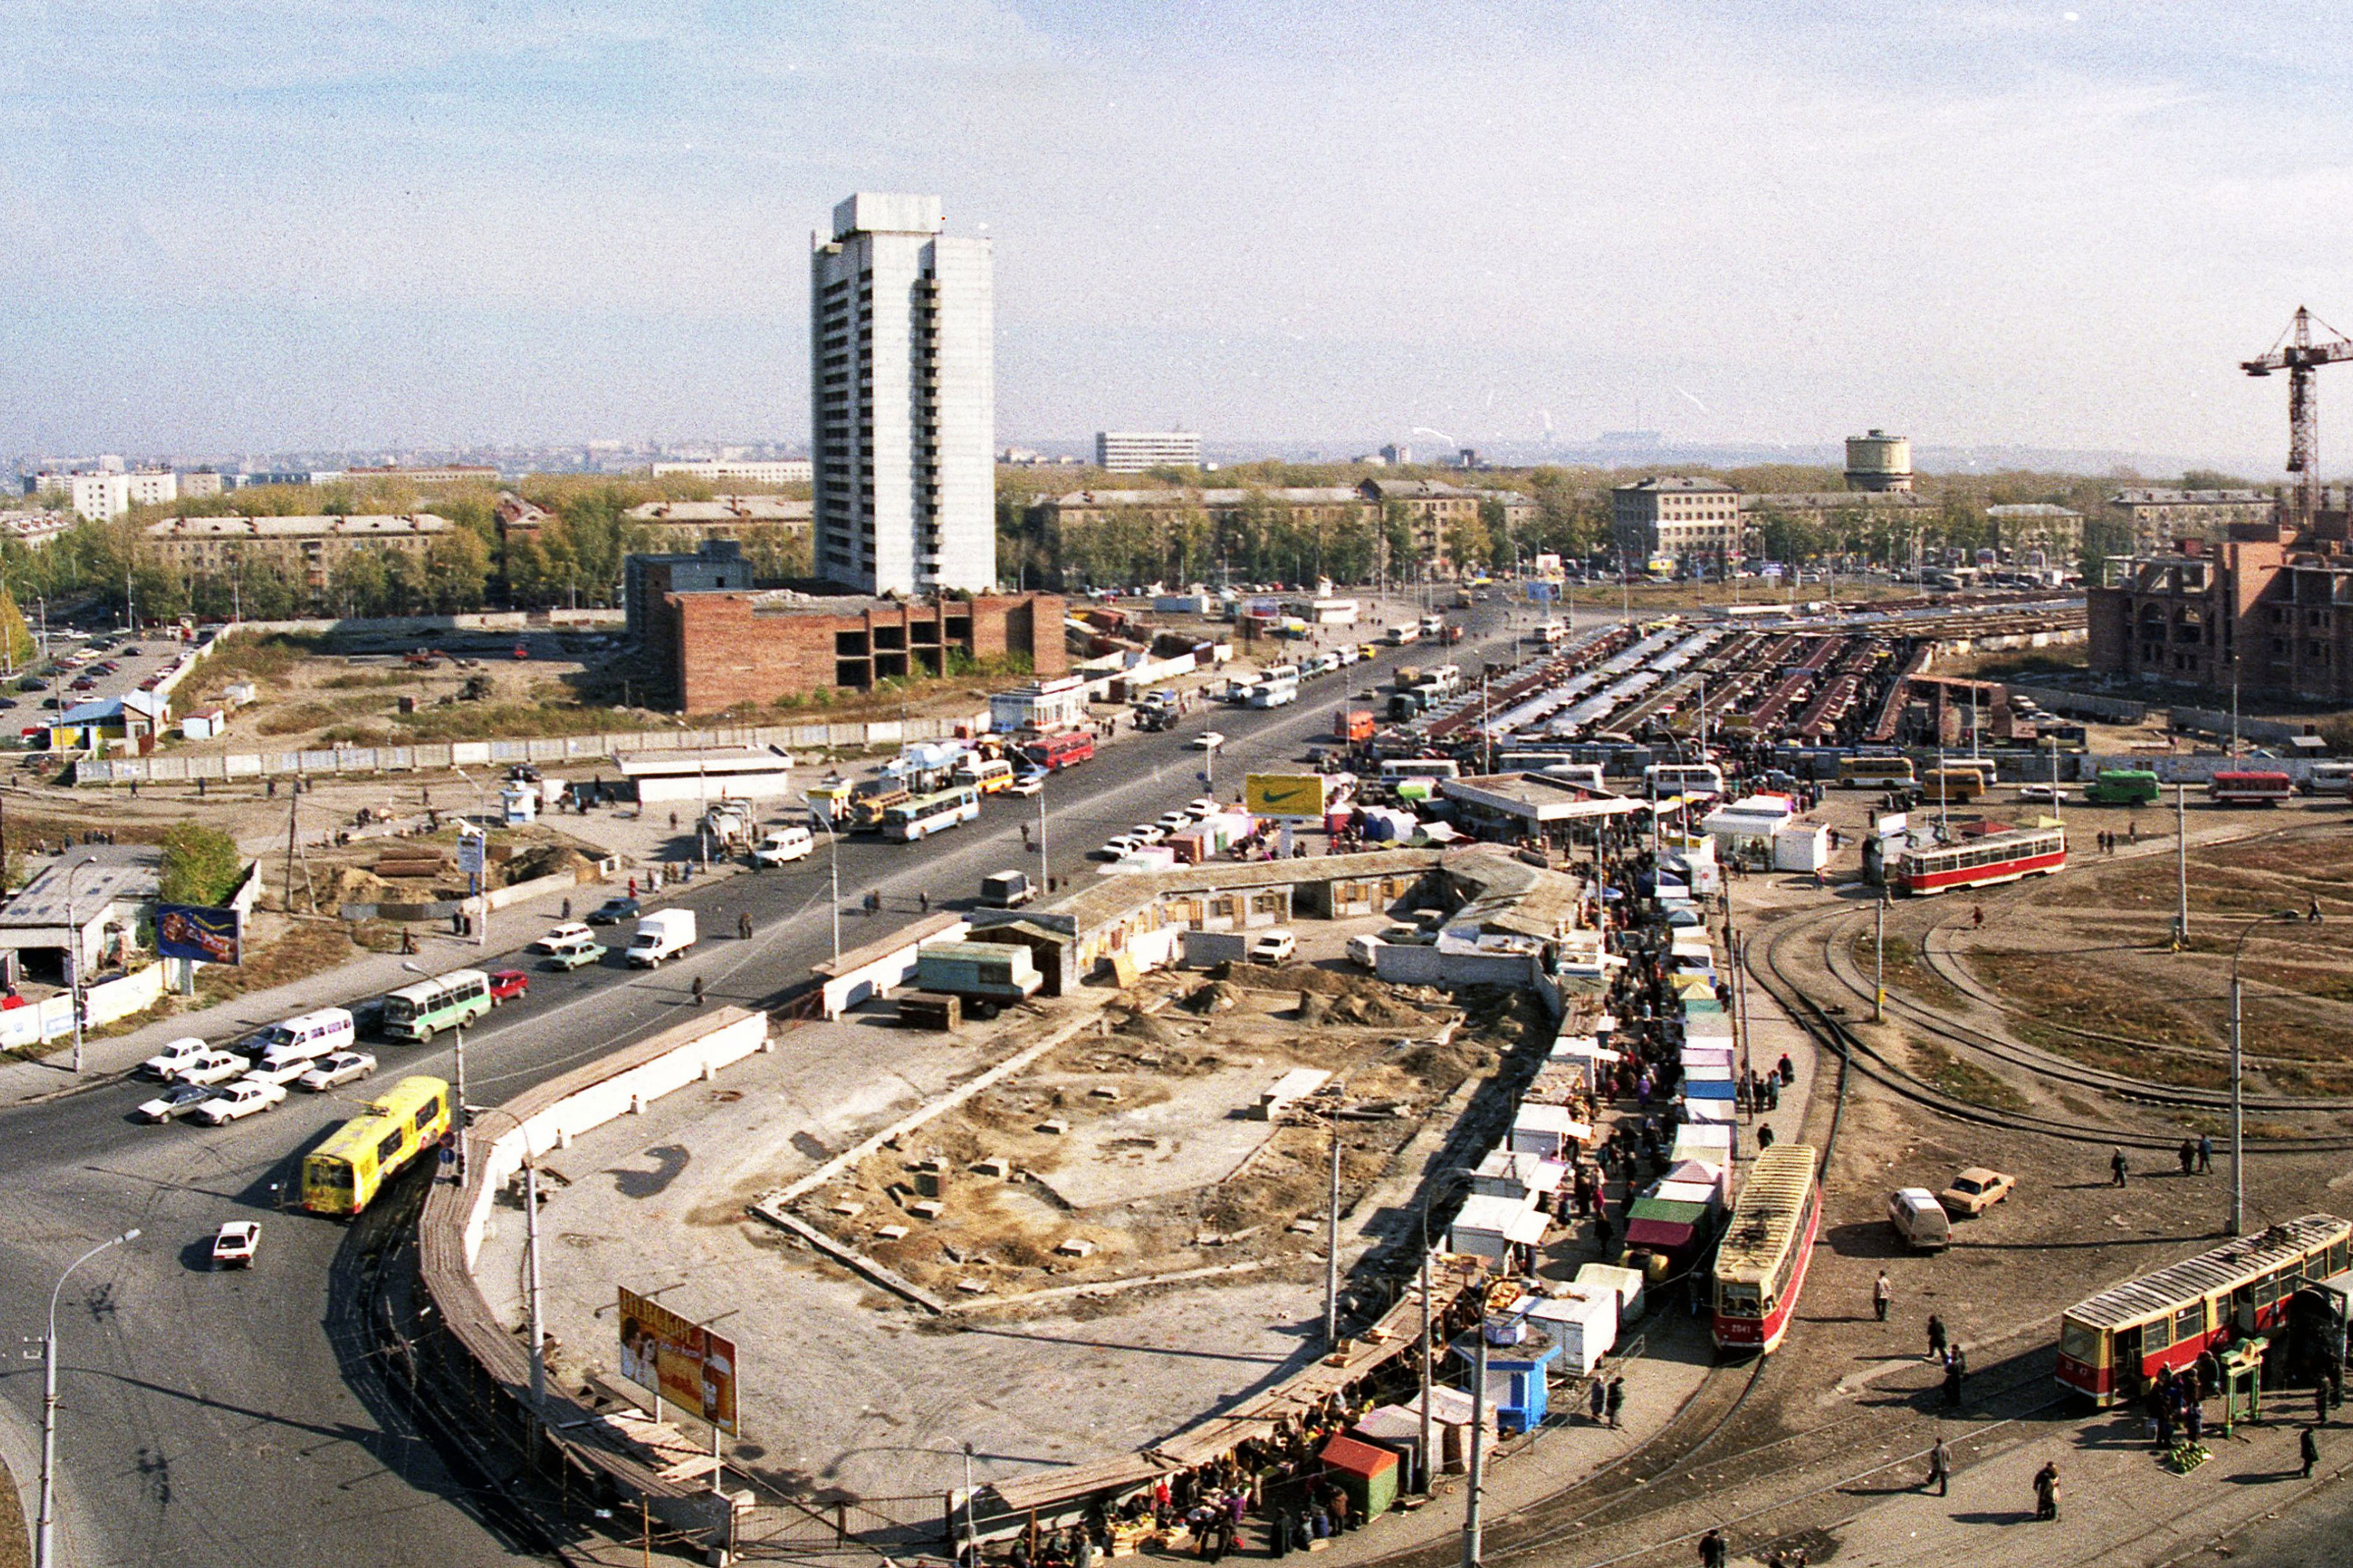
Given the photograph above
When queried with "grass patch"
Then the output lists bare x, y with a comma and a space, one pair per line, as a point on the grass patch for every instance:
1907, 971
2087, 995
2152, 1067
1965, 1079
2317, 1081
310, 947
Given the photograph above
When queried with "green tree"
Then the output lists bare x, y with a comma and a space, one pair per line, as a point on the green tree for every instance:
1396, 537
201, 865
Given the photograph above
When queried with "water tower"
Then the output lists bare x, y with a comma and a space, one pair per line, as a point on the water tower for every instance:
1878, 462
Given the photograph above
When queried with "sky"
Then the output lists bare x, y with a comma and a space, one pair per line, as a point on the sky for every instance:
253, 226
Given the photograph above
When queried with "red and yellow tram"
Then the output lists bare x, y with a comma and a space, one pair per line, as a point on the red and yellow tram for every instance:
1981, 862
2112, 1345
1761, 1265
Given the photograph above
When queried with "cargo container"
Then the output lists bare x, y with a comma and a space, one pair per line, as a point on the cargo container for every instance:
994, 971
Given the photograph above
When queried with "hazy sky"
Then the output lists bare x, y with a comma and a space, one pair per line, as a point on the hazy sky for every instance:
228, 225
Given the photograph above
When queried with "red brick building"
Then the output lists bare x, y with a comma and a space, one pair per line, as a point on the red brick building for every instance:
2265, 606
711, 650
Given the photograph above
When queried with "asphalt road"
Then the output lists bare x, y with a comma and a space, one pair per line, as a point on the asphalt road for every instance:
226, 1418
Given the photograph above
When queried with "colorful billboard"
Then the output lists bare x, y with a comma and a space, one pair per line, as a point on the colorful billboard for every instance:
208, 936
1306, 797
683, 1361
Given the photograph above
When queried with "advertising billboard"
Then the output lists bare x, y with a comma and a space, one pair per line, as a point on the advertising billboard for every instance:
208, 936
1306, 797
683, 1361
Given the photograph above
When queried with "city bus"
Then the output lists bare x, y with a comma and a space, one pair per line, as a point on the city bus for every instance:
2112, 1346
1982, 862
2249, 788
1055, 753
448, 1001
987, 776
1760, 1265
343, 1174
1660, 780
1397, 770
1276, 688
1950, 787
2123, 786
920, 818
1874, 772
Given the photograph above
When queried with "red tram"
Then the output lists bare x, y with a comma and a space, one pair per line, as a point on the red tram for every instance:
1760, 1265
1981, 862
2249, 786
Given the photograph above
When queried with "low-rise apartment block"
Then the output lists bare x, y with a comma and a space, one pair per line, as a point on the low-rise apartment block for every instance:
1676, 517
2037, 534
739, 470
2162, 519
307, 550
1139, 451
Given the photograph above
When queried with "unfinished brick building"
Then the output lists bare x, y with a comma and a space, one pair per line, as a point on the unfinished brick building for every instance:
711, 650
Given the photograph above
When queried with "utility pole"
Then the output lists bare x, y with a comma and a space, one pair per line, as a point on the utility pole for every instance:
1471, 1545
1425, 1434
2181, 866
538, 1333
1878, 958
45, 1537
1332, 1244
2238, 1077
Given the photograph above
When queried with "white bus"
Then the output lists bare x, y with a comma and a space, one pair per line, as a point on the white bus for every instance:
2329, 778
1433, 768
1660, 780
1276, 688
926, 815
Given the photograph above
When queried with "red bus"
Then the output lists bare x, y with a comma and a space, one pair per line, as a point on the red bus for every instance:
2251, 788
1056, 752
1760, 1265
2113, 1345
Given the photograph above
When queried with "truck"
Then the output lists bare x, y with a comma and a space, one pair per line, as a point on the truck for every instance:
728, 825
665, 934
1007, 890
1353, 725
1450, 634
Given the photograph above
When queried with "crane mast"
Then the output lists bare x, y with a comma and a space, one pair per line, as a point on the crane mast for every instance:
2296, 353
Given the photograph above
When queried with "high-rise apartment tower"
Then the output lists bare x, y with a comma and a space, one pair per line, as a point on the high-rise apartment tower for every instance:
902, 400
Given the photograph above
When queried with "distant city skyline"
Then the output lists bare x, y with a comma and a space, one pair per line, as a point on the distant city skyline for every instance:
1985, 226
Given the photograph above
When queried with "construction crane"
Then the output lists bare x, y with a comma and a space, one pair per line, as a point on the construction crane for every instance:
2295, 352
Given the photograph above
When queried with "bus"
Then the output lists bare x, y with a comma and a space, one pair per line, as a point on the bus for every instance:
2113, 1346
986, 775
448, 1001
1055, 753
1276, 688
1760, 1265
1397, 770
873, 801
2329, 778
926, 815
2123, 786
1874, 772
1982, 862
1950, 787
1660, 780
343, 1174
2249, 788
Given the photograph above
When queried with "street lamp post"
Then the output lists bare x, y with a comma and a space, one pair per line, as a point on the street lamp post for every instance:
458, 1121
74, 952
45, 1540
2238, 1123
1430, 1191
833, 851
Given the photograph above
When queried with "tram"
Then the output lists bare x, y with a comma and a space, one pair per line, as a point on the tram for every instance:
1760, 1265
1981, 862
2112, 1346
2250, 788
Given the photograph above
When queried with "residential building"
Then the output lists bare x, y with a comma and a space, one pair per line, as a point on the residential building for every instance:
1676, 518
1397, 454
2163, 517
281, 477
903, 399
445, 474
1432, 507
1830, 508
2037, 534
2265, 610
739, 470
196, 483
519, 518
311, 551
705, 651
1063, 516
723, 517
713, 566
1139, 451
34, 529
108, 493
1878, 462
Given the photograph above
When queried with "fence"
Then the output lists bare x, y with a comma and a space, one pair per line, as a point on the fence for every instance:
39, 1022
440, 756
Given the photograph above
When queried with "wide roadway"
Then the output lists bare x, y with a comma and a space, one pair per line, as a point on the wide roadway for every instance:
230, 1418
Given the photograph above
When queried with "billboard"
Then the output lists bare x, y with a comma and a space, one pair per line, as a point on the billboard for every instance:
208, 936
1306, 797
683, 1361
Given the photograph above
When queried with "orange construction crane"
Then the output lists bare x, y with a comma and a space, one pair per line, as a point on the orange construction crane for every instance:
2295, 352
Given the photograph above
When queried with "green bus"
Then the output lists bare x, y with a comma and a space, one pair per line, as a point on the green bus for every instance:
448, 1001
2123, 786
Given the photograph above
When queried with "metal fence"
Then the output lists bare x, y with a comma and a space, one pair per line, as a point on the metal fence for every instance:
894, 1526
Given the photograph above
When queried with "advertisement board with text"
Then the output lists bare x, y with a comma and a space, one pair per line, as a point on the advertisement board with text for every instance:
684, 1363
208, 936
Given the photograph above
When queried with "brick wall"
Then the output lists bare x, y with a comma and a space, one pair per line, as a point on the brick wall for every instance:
712, 650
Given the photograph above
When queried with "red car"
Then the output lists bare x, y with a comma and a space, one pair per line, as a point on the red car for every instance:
506, 983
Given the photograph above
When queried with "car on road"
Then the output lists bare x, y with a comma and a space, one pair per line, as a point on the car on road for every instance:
1272, 947
236, 1243
1148, 833
2052, 793
563, 935
579, 953
280, 1069
244, 1098
175, 1101
133, 652
1208, 740
209, 1067
782, 846
1118, 848
1174, 821
613, 911
1029, 782
335, 1071
32, 683
507, 984
1201, 807
1975, 1190
178, 1054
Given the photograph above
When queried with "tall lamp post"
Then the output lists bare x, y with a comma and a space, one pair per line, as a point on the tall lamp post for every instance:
1436, 1183
45, 1541
457, 1121
2238, 1120
74, 952
833, 848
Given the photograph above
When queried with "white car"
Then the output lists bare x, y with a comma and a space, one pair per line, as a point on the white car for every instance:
175, 1101
1201, 807
561, 936
210, 1066
1272, 947
343, 1067
280, 1071
782, 846
2049, 791
1208, 740
236, 1244
1174, 821
173, 1057
1118, 848
1028, 783
240, 1100
1148, 833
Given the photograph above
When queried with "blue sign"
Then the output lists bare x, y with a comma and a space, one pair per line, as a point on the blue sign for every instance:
1542, 590
208, 936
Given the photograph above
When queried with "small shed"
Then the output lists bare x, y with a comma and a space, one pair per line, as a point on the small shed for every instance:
1547, 1129
1450, 1410
1489, 1228
1583, 1322
1519, 1357
1801, 847
1398, 1429
1366, 1471
1627, 1282
1504, 1173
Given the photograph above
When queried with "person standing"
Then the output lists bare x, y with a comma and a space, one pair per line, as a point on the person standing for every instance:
1953, 1381
1600, 1394
1940, 1466
2205, 1153
2046, 1491
1882, 1293
1615, 1402
2308, 1447
1935, 1337
1711, 1549
2117, 1168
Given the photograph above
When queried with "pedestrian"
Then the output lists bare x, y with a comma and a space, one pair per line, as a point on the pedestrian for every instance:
1603, 1233
2046, 1491
1763, 1136
1882, 1293
633, 887
698, 990
2188, 1154
1977, 917
1935, 1337
2312, 914
1711, 1549
2205, 1153
1789, 1069
923, 900
1615, 1402
1940, 1466
2308, 1447
567, 909
1600, 1394
1952, 1384
2117, 1168
2193, 1421
2320, 1401
743, 925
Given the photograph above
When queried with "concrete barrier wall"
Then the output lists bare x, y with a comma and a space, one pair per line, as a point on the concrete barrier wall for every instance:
880, 973
2082, 705
52, 1018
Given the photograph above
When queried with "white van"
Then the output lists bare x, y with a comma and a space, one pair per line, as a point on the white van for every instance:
1919, 1219
306, 1038
1365, 950
783, 845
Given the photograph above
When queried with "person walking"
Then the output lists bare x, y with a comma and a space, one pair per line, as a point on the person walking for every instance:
1935, 1337
2188, 1154
1600, 1394
698, 990
2117, 1168
1615, 1402
2205, 1153
1977, 917
2320, 1401
1882, 1293
2046, 1491
1952, 1383
2308, 1447
1712, 1549
744, 926
1940, 1467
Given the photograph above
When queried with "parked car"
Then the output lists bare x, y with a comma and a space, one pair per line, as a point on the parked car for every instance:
561, 936
1272, 947
175, 1101
235, 1245
1201, 807
613, 911
508, 983
2052, 793
1975, 1190
576, 953
1919, 1219
209, 1067
1029, 782
242, 1099
343, 1067
1208, 740
1148, 833
174, 1056
133, 652
1118, 848
1174, 821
